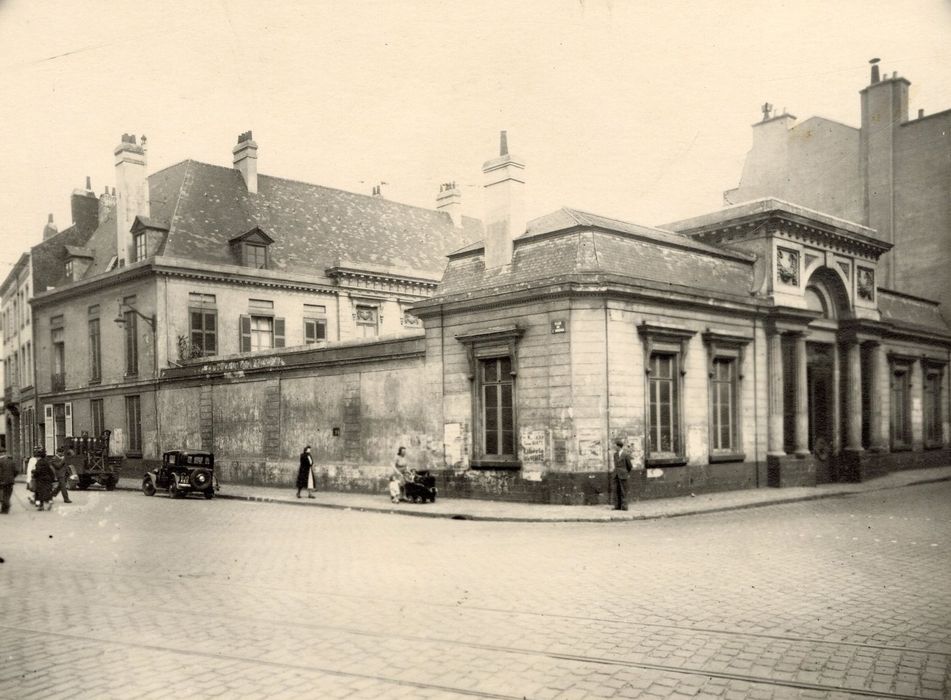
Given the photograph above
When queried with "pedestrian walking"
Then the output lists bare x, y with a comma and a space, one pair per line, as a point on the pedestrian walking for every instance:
8, 473
43, 478
61, 469
622, 471
30, 466
306, 479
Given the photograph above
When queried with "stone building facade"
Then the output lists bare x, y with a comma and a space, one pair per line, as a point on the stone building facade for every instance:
199, 261
755, 346
748, 348
891, 174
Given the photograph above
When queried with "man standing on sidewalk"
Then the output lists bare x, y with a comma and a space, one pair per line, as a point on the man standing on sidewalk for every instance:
8, 472
61, 468
622, 472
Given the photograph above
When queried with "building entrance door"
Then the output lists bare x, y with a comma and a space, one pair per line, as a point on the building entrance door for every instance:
820, 377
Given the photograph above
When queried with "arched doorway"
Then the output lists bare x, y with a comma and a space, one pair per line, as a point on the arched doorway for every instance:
825, 293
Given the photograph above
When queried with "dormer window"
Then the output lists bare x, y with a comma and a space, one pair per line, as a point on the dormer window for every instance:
251, 249
77, 262
255, 256
147, 238
141, 247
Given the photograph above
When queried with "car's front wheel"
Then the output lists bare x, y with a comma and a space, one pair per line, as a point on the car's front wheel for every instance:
174, 491
148, 488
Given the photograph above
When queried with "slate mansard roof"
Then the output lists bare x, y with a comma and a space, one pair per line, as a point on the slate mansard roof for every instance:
203, 207
569, 242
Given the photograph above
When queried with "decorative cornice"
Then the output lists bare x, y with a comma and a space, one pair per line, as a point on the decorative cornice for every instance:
585, 285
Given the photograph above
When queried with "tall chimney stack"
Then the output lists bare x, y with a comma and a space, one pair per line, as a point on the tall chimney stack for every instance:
132, 185
875, 75
85, 207
50, 229
449, 200
504, 205
246, 160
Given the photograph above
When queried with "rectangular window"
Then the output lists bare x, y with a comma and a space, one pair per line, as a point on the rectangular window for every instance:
131, 344
95, 354
58, 380
315, 323
69, 270
368, 322
59, 424
97, 417
262, 333
723, 405
931, 406
900, 406
498, 407
315, 330
133, 421
664, 406
141, 247
255, 256
204, 332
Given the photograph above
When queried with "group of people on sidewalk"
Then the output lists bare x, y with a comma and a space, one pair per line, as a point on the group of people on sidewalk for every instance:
46, 478
401, 474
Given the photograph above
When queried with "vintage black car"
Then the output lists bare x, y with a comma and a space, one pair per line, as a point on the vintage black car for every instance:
183, 472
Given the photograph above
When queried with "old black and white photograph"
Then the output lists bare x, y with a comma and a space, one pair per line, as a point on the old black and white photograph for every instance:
540, 350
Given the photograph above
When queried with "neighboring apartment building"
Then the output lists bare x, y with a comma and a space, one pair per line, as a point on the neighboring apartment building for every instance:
18, 359
892, 174
20, 405
199, 261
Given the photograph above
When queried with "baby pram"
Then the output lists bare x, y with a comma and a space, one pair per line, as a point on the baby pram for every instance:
421, 487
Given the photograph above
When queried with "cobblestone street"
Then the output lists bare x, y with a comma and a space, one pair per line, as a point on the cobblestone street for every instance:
118, 595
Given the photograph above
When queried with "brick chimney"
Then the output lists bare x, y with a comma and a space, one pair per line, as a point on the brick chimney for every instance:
50, 229
504, 205
449, 200
107, 204
85, 207
132, 185
246, 160
884, 110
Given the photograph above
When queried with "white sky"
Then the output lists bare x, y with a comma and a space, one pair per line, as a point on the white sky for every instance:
638, 110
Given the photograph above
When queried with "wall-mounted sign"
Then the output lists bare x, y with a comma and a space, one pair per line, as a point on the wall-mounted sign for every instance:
558, 326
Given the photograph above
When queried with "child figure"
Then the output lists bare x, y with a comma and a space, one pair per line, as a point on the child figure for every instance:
394, 489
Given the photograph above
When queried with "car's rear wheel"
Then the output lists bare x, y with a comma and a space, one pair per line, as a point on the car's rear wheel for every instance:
148, 488
174, 491
200, 479
209, 493
111, 483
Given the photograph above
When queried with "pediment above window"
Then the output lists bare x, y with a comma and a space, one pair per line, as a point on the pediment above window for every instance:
255, 236
251, 249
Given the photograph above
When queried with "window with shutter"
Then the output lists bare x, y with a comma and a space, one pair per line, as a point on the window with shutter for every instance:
48, 429
244, 341
131, 344
279, 332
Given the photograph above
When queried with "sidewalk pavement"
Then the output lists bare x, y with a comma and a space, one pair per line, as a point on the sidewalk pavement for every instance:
472, 509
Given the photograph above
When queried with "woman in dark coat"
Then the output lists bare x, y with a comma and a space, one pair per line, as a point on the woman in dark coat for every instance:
305, 474
43, 478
